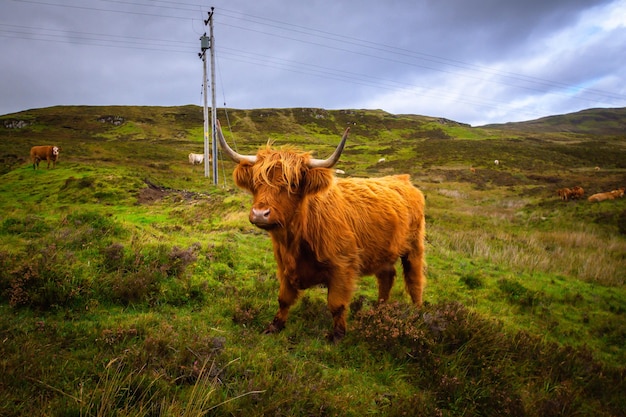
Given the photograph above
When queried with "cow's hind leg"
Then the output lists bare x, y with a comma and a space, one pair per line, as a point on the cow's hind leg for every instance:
287, 296
385, 277
339, 295
414, 279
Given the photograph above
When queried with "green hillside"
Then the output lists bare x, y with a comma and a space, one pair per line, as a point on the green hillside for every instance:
596, 122
157, 135
131, 286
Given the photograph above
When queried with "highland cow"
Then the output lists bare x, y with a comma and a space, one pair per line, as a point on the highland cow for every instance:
330, 231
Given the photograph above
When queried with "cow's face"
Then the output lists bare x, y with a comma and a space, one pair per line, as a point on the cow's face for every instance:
55, 151
279, 182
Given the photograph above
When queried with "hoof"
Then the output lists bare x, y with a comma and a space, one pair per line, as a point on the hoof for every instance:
274, 327
336, 336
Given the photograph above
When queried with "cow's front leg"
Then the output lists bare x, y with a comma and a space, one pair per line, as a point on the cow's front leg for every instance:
287, 296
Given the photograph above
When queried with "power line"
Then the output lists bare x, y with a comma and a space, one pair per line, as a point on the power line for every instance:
397, 61
272, 62
83, 37
353, 41
96, 9
318, 38
87, 38
106, 43
410, 53
407, 88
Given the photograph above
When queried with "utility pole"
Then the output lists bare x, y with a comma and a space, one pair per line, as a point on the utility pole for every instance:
213, 107
204, 45
208, 42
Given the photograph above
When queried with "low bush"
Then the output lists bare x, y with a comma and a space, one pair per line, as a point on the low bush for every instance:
518, 294
472, 367
44, 279
472, 281
150, 274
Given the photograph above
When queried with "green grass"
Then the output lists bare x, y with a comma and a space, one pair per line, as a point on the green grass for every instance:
117, 298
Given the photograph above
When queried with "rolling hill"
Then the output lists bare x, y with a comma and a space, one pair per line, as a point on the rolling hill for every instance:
590, 135
596, 122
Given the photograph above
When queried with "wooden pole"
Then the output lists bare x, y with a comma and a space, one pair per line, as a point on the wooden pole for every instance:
213, 106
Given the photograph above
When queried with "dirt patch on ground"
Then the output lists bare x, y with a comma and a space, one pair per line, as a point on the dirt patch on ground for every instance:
154, 193
150, 195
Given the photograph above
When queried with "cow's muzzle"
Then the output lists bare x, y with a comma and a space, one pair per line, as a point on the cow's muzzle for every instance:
261, 218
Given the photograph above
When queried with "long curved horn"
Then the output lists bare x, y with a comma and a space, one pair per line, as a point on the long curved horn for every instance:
227, 149
334, 158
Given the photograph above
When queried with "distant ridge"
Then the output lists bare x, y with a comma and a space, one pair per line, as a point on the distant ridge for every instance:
171, 119
597, 121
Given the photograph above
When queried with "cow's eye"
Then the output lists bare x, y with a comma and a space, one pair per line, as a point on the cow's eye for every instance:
293, 188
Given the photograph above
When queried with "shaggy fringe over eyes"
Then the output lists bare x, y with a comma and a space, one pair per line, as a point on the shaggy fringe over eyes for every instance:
291, 163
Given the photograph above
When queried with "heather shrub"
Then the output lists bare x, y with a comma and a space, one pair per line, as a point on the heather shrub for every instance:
246, 314
98, 225
179, 358
387, 324
393, 328
180, 259
45, 278
224, 254
113, 257
157, 274
135, 277
470, 364
138, 286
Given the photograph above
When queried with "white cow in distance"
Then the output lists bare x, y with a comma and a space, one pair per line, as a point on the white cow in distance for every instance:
196, 158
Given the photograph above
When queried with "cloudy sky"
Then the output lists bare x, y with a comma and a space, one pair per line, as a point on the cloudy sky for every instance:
473, 61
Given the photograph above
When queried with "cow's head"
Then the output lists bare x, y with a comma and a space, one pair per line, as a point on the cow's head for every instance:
280, 179
55, 151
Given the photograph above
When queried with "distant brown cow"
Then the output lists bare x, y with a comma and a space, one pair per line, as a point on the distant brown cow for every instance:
601, 197
577, 193
619, 193
609, 195
564, 193
48, 153
573, 193
328, 230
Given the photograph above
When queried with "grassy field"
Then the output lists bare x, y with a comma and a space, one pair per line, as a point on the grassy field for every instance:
132, 286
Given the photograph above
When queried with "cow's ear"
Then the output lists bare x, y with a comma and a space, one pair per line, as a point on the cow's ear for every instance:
317, 180
243, 176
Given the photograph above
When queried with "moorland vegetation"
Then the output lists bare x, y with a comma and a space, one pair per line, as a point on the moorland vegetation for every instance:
130, 285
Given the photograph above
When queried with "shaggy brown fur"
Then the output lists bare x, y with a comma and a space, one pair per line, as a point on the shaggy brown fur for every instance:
331, 231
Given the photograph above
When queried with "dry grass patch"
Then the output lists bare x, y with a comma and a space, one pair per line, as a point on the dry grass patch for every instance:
585, 256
